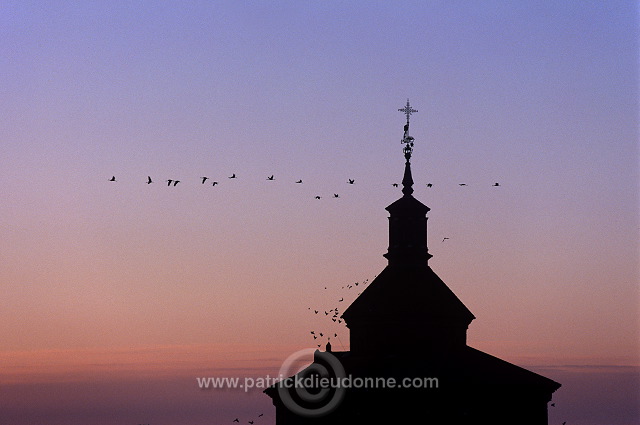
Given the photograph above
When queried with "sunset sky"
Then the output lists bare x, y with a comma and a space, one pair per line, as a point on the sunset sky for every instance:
117, 295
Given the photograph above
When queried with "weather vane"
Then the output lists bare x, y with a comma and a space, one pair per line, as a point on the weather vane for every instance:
406, 139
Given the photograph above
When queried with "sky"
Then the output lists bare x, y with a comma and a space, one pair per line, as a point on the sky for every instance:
117, 295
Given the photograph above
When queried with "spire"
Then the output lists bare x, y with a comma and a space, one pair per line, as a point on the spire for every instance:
407, 180
407, 141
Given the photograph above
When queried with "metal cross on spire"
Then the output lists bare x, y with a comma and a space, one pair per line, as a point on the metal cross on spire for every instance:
406, 139
408, 110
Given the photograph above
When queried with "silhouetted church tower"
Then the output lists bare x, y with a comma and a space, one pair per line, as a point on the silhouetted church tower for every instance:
408, 326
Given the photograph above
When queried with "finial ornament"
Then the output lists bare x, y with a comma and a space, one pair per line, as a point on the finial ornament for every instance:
407, 140
408, 110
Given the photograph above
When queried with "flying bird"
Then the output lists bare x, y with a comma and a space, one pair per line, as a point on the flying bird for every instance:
251, 422
261, 414
233, 176
169, 182
270, 177
175, 183
112, 179
351, 181
236, 420
299, 181
341, 299
429, 185
462, 184
204, 179
318, 197
214, 183
496, 184
149, 181
394, 184
444, 239
335, 195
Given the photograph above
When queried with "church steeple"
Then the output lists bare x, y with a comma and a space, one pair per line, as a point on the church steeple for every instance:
407, 216
407, 325
407, 303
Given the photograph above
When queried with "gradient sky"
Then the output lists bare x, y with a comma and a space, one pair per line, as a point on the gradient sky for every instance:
106, 283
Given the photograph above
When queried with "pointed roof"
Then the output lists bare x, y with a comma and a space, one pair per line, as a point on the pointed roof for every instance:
408, 204
400, 293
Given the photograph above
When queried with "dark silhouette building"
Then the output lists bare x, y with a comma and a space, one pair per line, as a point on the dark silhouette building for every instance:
409, 328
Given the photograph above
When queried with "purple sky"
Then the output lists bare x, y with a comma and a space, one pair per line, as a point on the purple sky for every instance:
541, 96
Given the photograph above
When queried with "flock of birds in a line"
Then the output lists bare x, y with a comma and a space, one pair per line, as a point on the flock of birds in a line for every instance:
203, 180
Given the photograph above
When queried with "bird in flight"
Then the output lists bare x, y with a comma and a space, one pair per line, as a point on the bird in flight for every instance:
429, 185
299, 181
112, 179
169, 182
204, 179
214, 183
318, 197
236, 420
335, 195
462, 184
251, 422
395, 185
341, 299
233, 176
351, 181
149, 181
270, 177
260, 415
175, 182
496, 184
444, 239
